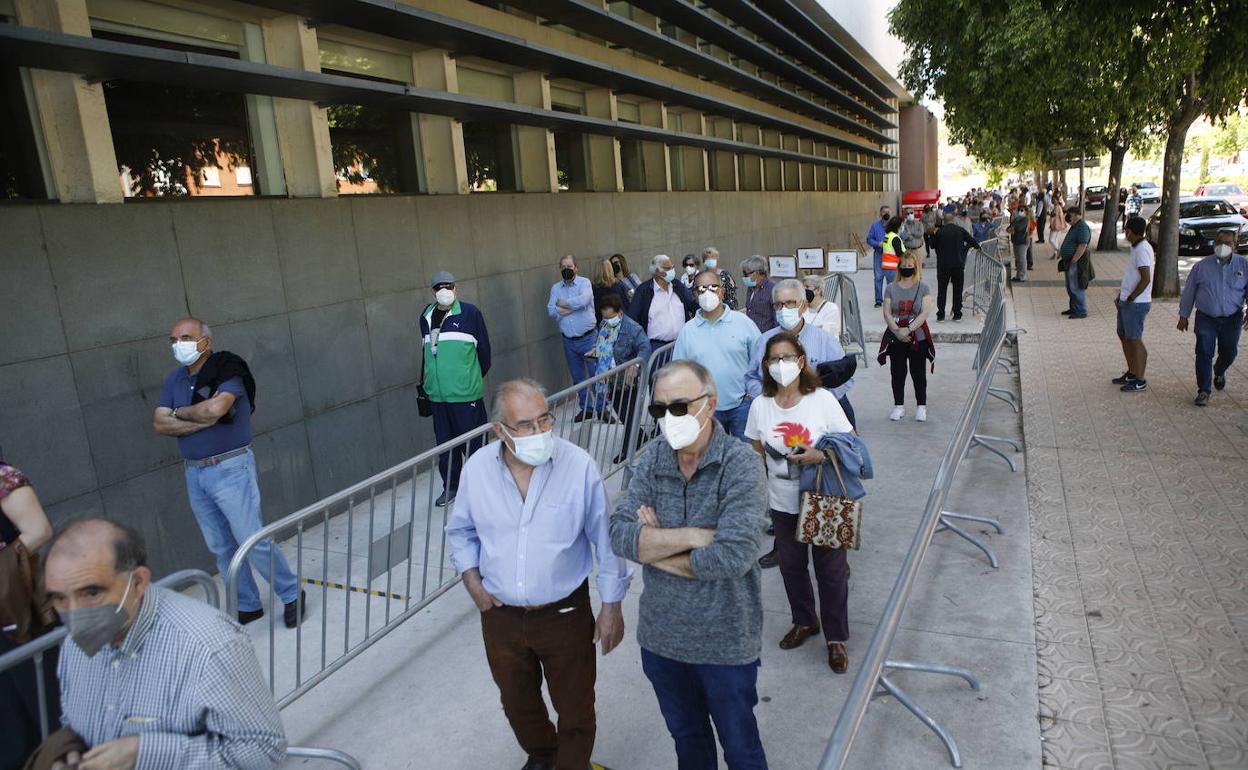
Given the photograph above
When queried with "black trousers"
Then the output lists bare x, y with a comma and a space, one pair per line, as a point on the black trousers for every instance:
899, 357
1040, 220
831, 575
451, 420
944, 277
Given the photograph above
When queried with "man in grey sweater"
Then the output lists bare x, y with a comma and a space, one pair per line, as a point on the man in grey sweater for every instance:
693, 514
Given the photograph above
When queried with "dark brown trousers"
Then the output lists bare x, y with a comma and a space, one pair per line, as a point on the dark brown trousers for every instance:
831, 573
555, 641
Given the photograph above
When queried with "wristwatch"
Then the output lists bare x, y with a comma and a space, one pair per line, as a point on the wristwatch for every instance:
174, 413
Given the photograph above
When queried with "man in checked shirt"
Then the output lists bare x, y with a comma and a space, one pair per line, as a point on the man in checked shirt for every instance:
152, 679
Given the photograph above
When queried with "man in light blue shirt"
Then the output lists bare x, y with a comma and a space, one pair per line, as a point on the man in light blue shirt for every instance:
721, 340
1218, 288
571, 304
529, 520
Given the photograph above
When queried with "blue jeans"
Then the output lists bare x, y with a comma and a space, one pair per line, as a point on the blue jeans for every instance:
734, 417
1220, 334
882, 276
226, 502
1078, 296
580, 367
692, 696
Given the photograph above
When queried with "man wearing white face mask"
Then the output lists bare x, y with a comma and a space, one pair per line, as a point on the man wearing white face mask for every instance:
662, 304
151, 678
207, 404
455, 360
530, 520
1218, 288
721, 340
693, 515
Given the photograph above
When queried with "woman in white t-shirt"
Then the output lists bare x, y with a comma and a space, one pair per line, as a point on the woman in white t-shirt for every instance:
785, 424
819, 311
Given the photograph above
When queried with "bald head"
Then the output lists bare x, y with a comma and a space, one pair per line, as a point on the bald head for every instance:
120, 546
96, 561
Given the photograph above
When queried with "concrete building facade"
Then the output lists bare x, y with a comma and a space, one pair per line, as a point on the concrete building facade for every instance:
214, 158
920, 163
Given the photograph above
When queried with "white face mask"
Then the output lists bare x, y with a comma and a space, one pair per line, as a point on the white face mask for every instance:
1222, 251
669, 275
788, 317
186, 352
614, 321
711, 263
691, 269
680, 432
708, 301
533, 450
445, 297
784, 372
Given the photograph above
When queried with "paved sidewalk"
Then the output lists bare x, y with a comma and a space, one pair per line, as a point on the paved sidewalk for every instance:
1139, 519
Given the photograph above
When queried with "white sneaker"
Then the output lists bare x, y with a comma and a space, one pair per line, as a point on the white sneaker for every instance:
897, 413
920, 414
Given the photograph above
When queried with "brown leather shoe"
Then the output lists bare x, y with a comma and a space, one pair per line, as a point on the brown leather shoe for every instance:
797, 634
838, 659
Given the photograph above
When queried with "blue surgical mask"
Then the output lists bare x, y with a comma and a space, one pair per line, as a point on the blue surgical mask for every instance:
711, 263
788, 317
749, 282
670, 275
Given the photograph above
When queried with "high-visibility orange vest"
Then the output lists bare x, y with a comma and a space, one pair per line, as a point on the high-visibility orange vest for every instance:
893, 249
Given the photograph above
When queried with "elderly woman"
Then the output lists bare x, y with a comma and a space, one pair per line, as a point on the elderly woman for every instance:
821, 312
691, 265
620, 339
758, 292
710, 261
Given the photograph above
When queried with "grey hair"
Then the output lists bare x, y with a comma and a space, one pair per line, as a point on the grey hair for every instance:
510, 387
655, 260
786, 285
754, 264
684, 365
711, 271
710, 252
204, 331
571, 257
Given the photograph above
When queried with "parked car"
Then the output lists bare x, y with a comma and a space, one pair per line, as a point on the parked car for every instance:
1231, 193
1149, 192
1096, 197
1199, 221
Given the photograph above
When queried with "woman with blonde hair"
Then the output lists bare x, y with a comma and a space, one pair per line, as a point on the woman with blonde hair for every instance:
908, 342
605, 282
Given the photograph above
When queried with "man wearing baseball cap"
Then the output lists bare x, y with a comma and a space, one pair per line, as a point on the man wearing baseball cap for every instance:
455, 361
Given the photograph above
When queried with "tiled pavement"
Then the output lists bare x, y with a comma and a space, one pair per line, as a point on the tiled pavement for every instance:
1139, 519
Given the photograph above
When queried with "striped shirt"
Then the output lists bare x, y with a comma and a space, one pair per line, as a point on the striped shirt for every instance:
185, 680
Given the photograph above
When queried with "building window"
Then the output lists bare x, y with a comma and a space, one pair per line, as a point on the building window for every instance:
490, 151
633, 165
571, 156
165, 136
20, 173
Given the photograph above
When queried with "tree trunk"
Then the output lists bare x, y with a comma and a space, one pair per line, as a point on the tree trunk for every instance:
1181, 119
1109, 223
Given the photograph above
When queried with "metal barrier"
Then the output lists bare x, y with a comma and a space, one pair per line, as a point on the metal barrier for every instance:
876, 665
376, 552
839, 288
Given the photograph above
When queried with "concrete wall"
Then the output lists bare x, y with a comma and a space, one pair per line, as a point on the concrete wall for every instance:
321, 297
919, 149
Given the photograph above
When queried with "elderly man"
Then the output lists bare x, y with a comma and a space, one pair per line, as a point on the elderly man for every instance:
661, 304
531, 517
693, 514
1218, 288
757, 292
151, 678
875, 239
1077, 262
207, 404
721, 340
571, 304
455, 359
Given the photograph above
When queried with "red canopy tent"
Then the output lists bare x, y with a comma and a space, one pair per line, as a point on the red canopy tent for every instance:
917, 199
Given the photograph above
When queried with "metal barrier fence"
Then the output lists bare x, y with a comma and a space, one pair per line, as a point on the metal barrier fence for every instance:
35, 650
873, 678
839, 288
987, 268
376, 553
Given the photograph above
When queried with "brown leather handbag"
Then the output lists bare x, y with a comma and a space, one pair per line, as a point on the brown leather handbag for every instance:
24, 610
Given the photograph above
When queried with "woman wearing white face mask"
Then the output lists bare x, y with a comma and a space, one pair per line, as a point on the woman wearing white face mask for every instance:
785, 424
619, 339
691, 267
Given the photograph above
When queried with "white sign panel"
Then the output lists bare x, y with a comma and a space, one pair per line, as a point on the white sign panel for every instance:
783, 266
810, 258
845, 261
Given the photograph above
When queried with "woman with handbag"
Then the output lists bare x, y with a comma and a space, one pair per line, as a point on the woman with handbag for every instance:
24, 529
785, 423
908, 342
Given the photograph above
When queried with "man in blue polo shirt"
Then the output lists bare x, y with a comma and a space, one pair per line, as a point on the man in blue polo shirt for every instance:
206, 403
720, 339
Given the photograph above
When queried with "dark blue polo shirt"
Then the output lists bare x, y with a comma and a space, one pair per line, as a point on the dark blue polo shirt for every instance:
221, 437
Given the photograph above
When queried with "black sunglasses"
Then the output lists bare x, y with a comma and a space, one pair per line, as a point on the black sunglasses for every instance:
676, 408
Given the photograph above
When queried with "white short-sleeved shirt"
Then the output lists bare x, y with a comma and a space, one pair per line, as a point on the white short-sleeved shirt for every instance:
817, 414
1141, 256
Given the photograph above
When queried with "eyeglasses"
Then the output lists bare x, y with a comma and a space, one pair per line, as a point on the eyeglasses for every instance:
675, 408
784, 359
532, 427
707, 288
791, 304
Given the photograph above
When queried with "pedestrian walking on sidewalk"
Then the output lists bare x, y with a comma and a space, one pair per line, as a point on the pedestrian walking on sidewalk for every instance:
1218, 288
692, 513
908, 341
530, 521
786, 422
1133, 302
1076, 262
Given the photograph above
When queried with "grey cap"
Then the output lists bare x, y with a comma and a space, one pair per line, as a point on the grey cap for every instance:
442, 277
